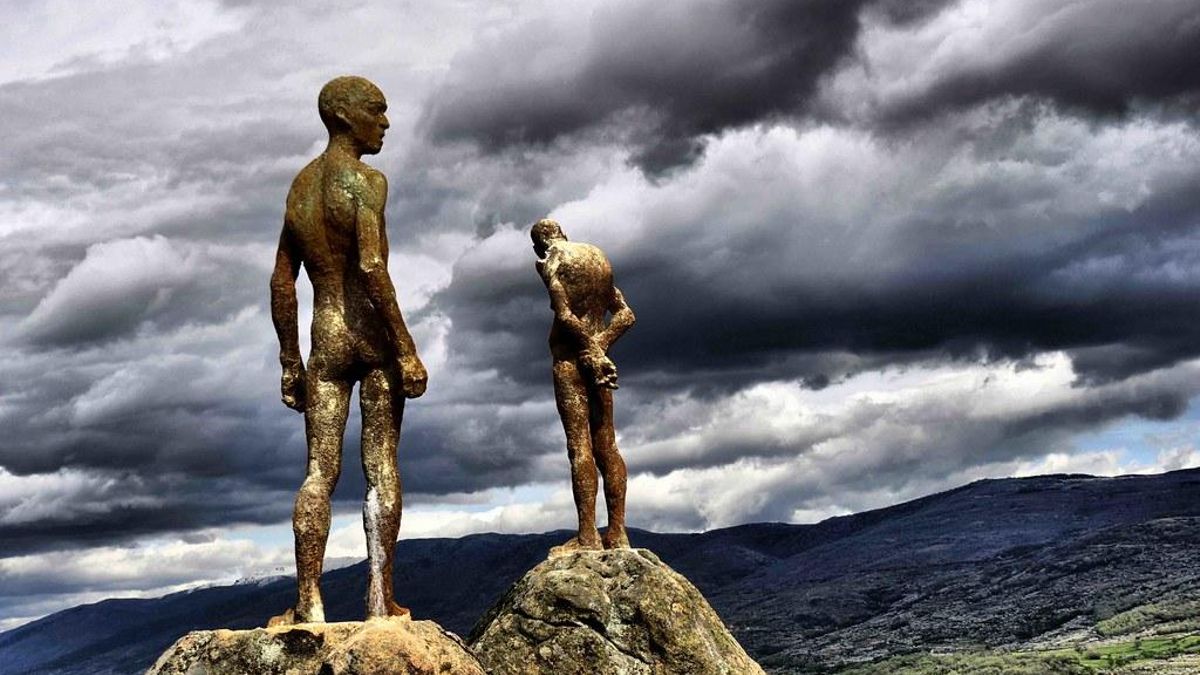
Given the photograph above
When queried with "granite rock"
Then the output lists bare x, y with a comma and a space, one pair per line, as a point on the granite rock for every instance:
616, 612
376, 647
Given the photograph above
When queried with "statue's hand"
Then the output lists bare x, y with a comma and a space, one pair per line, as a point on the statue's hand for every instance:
549, 266
606, 374
413, 377
602, 369
292, 387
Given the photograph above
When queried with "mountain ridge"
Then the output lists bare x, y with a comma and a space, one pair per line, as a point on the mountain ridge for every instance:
801, 598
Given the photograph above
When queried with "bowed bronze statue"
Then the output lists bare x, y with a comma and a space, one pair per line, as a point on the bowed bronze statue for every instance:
579, 279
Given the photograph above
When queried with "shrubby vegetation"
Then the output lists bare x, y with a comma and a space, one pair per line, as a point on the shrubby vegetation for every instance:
984, 663
1159, 617
1150, 655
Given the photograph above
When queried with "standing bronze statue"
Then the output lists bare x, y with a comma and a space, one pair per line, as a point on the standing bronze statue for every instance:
334, 227
579, 279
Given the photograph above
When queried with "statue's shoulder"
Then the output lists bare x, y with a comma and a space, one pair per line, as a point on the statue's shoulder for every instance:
588, 253
308, 178
360, 180
373, 177
305, 187
577, 249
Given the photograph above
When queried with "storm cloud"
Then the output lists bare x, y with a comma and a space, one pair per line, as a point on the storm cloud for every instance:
1098, 58
876, 248
669, 72
957, 248
663, 77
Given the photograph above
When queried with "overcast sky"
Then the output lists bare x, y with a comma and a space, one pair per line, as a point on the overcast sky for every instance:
877, 249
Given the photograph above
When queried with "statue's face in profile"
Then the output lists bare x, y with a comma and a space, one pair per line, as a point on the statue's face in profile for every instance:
368, 122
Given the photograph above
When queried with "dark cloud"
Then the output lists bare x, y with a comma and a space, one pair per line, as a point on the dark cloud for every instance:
1111, 287
103, 128
180, 446
663, 77
141, 202
136, 504
143, 284
671, 71
1103, 58
906, 12
182, 429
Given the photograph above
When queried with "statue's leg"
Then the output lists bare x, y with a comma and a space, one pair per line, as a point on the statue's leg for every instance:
612, 466
325, 423
382, 412
571, 394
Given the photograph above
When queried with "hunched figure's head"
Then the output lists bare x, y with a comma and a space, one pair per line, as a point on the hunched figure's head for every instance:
544, 233
353, 106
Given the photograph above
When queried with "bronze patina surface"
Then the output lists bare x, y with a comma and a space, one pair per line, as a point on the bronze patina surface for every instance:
579, 279
334, 227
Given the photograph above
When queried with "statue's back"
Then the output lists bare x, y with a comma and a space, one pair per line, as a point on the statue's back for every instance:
587, 278
322, 222
322, 208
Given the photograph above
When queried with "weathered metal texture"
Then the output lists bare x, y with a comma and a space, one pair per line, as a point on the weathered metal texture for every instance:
334, 228
579, 279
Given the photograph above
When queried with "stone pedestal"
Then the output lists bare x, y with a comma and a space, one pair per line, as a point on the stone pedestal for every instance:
376, 647
619, 612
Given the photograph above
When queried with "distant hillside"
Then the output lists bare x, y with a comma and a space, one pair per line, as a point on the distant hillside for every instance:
1015, 563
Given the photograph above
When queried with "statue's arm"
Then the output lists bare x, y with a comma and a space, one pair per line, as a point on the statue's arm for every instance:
622, 319
283, 299
372, 260
284, 315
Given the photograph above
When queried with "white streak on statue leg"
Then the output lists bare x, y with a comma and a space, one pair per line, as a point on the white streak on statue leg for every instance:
376, 605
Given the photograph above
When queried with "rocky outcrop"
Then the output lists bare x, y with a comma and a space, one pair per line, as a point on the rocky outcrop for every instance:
618, 612
377, 647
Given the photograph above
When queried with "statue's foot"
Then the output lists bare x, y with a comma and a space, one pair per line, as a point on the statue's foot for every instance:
615, 537
397, 612
293, 616
286, 619
573, 544
391, 611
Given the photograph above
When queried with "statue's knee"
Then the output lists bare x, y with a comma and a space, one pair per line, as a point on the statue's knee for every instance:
320, 486
387, 499
606, 446
582, 462
385, 479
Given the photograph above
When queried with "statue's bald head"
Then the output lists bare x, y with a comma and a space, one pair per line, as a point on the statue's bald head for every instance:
546, 229
345, 93
544, 232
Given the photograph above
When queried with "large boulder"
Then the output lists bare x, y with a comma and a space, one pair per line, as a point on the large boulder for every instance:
618, 612
376, 647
